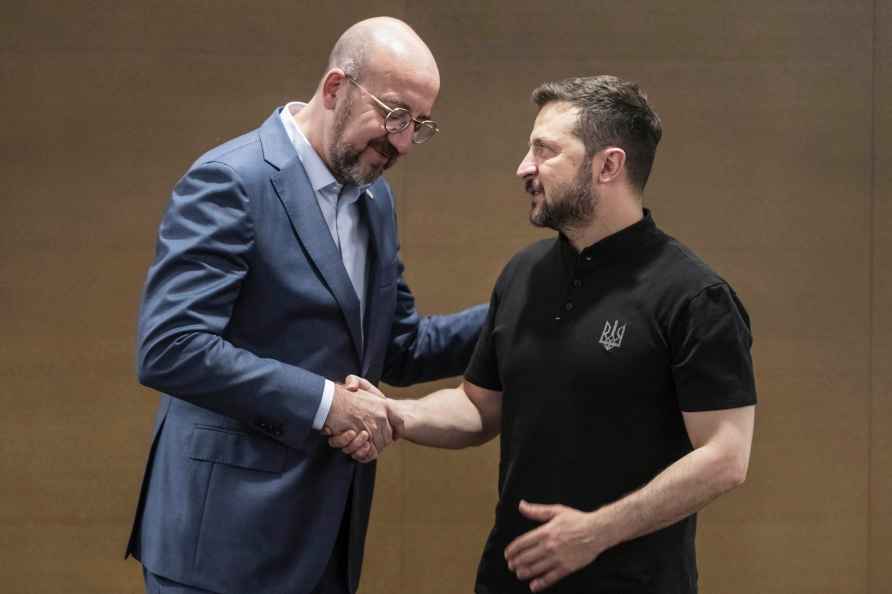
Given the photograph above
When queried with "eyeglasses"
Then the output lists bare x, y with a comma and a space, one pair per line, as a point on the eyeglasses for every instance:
399, 118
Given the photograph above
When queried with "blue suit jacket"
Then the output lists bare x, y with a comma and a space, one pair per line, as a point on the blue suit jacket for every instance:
247, 308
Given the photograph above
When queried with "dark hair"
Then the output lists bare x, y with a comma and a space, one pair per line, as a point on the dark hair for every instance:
612, 112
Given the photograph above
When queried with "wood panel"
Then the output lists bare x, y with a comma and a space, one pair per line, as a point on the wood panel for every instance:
774, 167
880, 518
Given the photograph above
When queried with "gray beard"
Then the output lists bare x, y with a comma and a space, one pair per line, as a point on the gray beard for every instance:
344, 160
345, 167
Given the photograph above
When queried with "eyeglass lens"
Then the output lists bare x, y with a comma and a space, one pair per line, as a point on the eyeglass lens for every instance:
397, 121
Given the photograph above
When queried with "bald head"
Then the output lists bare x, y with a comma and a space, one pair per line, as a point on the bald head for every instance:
377, 67
380, 43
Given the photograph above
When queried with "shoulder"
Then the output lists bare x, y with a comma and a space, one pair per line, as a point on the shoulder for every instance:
684, 281
682, 271
241, 154
521, 263
246, 155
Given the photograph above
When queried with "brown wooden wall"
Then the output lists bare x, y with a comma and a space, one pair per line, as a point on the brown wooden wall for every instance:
775, 167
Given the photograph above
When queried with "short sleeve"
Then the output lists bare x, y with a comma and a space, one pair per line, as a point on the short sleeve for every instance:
483, 370
711, 362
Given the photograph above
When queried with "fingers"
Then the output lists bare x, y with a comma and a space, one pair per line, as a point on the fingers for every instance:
343, 439
534, 570
547, 580
535, 511
539, 566
350, 442
366, 453
358, 446
382, 434
377, 423
360, 441
521, 544
527, 559
354, 382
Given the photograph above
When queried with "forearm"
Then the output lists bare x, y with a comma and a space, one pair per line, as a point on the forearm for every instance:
212, 373
445, 419
680, 490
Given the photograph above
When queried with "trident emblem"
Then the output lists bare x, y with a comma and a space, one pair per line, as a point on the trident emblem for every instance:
612, 336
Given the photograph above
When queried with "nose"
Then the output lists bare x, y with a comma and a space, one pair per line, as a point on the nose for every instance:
527, 165
402, 140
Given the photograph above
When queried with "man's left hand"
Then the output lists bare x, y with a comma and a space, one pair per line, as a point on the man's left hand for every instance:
565, 543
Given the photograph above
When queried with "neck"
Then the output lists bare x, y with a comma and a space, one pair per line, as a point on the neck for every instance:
612, 214
307, 120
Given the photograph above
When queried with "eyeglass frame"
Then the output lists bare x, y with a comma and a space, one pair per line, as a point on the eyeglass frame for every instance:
391, 110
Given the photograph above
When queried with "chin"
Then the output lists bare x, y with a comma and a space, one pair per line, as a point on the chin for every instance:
372, 167
536, 217
373, 172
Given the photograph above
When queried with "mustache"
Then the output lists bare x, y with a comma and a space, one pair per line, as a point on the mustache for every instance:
383, 146
532, 186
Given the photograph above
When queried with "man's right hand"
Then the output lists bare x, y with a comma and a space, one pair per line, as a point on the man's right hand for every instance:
356, 410
356, 444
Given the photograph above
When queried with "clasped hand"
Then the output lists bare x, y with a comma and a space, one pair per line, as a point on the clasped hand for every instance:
361, 422
564, 543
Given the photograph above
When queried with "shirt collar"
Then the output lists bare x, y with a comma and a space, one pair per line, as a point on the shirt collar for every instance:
321, 179
619, 246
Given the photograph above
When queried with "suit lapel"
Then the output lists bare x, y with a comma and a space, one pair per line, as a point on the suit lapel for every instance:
297, 196
374, 214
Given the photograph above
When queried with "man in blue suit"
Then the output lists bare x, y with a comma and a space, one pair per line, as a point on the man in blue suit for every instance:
277, 274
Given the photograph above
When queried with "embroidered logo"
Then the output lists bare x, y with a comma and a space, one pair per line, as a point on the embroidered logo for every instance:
612, 336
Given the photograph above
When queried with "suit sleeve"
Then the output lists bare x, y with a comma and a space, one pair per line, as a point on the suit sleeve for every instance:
426, 348
203, 253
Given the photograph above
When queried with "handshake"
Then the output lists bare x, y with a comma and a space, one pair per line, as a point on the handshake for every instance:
362, 421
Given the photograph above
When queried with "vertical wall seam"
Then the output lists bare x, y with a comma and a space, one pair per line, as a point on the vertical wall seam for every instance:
871, 272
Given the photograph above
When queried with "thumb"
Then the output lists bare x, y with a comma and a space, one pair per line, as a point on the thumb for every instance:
539, 512
353, 382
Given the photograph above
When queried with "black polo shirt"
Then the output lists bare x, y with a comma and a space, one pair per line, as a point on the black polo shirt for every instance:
596, 355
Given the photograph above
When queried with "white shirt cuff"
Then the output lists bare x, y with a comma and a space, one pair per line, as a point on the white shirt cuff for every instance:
324, 405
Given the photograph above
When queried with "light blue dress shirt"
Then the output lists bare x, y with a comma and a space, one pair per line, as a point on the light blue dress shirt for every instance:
340, 209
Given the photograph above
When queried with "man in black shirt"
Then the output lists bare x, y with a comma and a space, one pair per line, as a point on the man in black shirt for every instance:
614, 363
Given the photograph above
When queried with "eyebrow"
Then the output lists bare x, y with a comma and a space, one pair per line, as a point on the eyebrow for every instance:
540, 142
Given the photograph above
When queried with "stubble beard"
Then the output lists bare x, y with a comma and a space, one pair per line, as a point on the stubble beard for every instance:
571, 205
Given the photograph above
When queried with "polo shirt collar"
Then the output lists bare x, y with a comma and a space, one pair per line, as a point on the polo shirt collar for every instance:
625, 242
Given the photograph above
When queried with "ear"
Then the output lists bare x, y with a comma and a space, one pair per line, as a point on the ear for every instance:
609, 164
333, 81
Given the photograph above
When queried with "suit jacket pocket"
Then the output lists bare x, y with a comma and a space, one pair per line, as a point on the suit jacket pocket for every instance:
234, 448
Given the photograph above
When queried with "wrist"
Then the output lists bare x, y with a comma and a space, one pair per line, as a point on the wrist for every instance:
404, 412
339, 397
601, 531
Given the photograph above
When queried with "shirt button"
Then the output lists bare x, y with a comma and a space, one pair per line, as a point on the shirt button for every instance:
557, 318
568, 306
588, 258
577, 283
